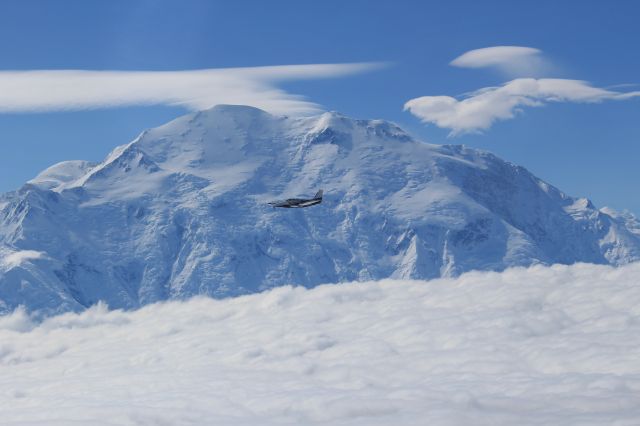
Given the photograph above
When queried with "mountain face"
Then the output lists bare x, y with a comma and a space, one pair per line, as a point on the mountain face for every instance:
182, 210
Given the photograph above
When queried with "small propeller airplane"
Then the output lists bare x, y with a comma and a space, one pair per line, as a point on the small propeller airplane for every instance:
296, 203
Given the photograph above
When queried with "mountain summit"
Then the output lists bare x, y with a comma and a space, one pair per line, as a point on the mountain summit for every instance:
182, 210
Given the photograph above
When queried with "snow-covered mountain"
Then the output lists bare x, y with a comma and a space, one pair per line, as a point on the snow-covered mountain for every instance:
182, 210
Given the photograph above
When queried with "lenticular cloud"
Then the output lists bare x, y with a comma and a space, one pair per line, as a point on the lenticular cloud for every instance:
514, 61
538, 346
55, 90
479, 110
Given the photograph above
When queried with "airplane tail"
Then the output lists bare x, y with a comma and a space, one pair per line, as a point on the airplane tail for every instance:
318, 195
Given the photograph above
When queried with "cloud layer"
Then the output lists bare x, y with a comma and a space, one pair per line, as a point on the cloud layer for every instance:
514, 61
53, 90
480, 109
539, 346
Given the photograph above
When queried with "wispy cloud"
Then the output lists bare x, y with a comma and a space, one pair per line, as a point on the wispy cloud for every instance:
480, 109
54, 90
513, 61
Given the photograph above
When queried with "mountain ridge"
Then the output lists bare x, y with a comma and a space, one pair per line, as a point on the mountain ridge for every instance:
181, 210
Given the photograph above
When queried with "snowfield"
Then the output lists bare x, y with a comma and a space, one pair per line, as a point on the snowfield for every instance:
553, 345
182, 211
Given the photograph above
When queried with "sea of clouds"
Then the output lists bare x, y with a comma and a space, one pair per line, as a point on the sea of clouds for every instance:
553, 345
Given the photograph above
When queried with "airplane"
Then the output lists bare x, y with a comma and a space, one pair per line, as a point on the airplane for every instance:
296, 203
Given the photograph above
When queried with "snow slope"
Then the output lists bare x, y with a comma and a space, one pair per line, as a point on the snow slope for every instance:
542, 346
182, 211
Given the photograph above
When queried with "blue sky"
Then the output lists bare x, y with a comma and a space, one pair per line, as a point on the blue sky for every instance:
586, 149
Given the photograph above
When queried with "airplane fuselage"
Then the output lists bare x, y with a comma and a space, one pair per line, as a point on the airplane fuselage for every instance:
297, 203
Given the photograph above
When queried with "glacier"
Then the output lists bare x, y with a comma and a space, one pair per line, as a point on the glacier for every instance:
182, 211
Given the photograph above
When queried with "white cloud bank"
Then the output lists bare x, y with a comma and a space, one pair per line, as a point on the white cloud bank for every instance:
514, 61
480, 109
541, 346
53, 90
